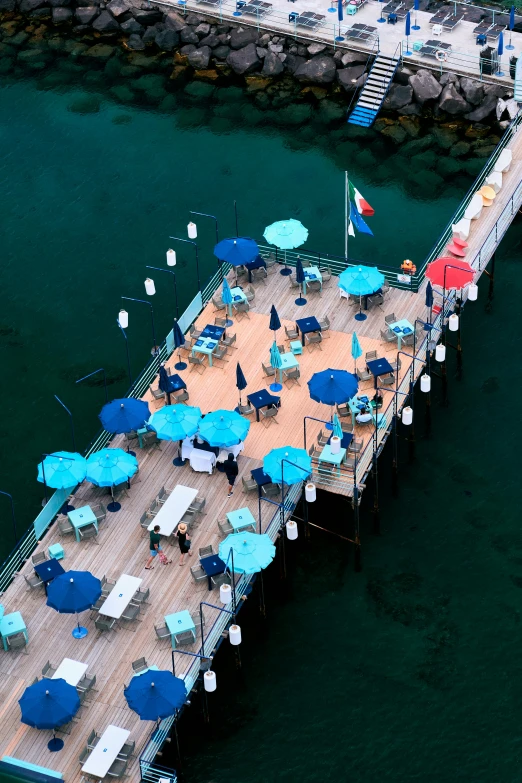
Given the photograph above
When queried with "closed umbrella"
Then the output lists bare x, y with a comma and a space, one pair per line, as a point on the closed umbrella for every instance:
361, 281
337, 428
47, 704
155, 694
252, 552
275, 323
300, 278
287, 465
237, 250
286, 235
109, 467
223, 428
407, 33
339, 37
124, 415
72, 593
511, 26
275, 361
500, 50
227, 300
179, 342
240, 381
62, 470
429, 299
415, 26
164, 383
356, 350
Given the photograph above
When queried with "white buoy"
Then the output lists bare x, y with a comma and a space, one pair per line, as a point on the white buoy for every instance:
150, 288
425, 383
440, 353
209, 681
291, 530
225, 594
171, 257
453, 322
473, 292
234, 634
335, 444
407, 415
123, 319
310, 492
192, 230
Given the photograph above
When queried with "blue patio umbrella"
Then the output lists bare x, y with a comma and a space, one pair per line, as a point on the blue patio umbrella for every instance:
47, 704
240, 381
175, 422
62, 470
223, 428
251, 551
286, 235
337, 428
339, 37
356, 350
227, 299
287, 463
109, 467
237, 250
74, 592
155, 694
124, 415
332, 387
275, 323
179, 342
511, 26
361, 281
407, 33
276, 362
415, 8
500, 50
300, 278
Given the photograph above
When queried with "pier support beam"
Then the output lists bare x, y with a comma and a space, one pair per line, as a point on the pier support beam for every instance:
458, 311
357, 565
491, 289
427, 416
375, 510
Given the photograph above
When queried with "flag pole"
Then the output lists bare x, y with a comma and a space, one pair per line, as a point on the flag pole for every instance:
346, 215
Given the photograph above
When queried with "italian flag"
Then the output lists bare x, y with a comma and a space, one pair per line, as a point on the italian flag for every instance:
363, 208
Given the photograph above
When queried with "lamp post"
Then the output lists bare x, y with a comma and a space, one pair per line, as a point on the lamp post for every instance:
151, 290
190, 242
155, 350
209, 682
124, 333
71, 419
204, 214
104, 380
13, 515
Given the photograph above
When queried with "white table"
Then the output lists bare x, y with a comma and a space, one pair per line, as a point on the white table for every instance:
235, 450
70, 671
173, 509
104, 754
120, 596
187, 447
202, 461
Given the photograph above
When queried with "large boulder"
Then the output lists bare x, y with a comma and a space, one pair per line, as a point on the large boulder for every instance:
451, 102
87, 14
135, 43
118, 7
472, 90
106, 23
61, 15
241, 37
26, 6
244, 60
349, 77
488, 105
130, 26
100, 51
350, 58
399, 95
200, 58
319, 70
210, 40
506, 110
316, 48
166, 40
425, 86
293, 62
188, 36
147, 16
221, 52
272, 65
174, 21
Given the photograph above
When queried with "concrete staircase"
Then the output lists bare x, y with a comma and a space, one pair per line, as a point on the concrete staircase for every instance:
374, 91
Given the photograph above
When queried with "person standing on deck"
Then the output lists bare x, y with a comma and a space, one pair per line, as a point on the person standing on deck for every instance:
184, 541
231, 469
154, 547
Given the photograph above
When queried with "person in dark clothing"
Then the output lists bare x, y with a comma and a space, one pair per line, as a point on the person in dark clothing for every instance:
154, 546
183, 541
231, 470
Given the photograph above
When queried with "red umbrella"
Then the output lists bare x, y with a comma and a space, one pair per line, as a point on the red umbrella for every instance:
458, 273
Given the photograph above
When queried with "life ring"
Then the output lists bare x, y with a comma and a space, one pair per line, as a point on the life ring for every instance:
441, 55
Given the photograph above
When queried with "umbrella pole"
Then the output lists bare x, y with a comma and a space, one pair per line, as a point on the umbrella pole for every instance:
113, 505
360, 316
80, 632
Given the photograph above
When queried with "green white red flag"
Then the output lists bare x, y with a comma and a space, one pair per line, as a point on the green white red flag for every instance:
362, 206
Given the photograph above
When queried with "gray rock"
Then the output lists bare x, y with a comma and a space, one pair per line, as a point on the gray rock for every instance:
240, 37
399, 95
302, 52
187, 35
265, 39
395, 133
338, 58
319, 70
261, 52
275, 47
135, 43
59, 3
506, 109
244, 60
348, 77
498, 90
223, 38
472, 90
193, 19
272, 65
200, 58
412, 109
293, 49
425, 86
166, 40
188, 49
210, 40
350, 58
202, 29
30, 5
488, 105
402, 75
293, 62
221, 52
105, 23
174, 21
149, 36
7, 5
40, 14
118, 7
61, 15
222, 28
130, 26
316, 48
282, 56
449, 78
451, 102
147, 16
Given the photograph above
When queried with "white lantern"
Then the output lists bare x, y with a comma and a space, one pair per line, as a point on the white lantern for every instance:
440, 353
150, 288
192, 230
473, 292
209, 681
310, 492
123, 319
407, 415
225, 594
234, 634
453, 322
291, 530
171, 258
425, 383
335, 444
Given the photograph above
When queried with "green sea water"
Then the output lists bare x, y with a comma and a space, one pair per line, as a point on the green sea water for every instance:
406, 671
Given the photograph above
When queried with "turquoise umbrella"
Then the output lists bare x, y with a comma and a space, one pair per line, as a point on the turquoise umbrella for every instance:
361, 281
251, 551
62, 470
287, 463
275, 361
356, 350
109, 467
175, 422
227, 299
286, 234
337, 429
223, 428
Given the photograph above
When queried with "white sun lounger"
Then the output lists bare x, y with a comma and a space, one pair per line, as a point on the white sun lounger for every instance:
504, 161
474, 207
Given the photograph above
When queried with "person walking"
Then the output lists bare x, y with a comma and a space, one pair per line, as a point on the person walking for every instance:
231, 470
154, 546
184, 541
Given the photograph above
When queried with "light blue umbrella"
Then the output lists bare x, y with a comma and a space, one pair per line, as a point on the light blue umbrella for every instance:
223, 428
361, 281
337, 429
62, 470
356, 350
175, 422
227, 297
286, 234
109, 467
251, 551
287, 463
275, 361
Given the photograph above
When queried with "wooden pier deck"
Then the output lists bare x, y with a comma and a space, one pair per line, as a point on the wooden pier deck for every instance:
121, 546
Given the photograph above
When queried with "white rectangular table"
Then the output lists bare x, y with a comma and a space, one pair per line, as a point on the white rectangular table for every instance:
120, 596
104, 754
70, 671
173, 509
202, 461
